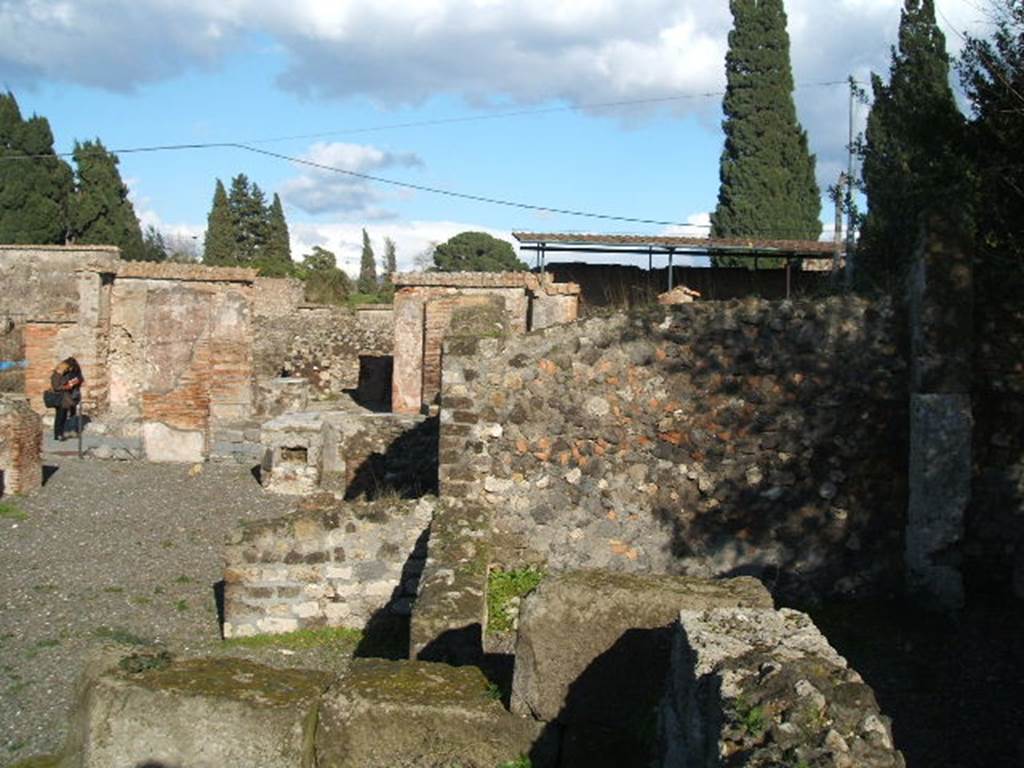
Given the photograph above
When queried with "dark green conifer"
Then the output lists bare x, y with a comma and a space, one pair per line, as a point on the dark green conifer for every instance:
34, 189
768, 189
278, 248
101, 213
911, 149
367, 282
154, 247
992, 73
219, 245
390, 259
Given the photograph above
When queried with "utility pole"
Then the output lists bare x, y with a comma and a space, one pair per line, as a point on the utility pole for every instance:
849, 189
838, 198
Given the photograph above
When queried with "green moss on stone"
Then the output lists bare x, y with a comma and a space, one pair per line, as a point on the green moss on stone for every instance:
39, 761
335, 638
236, 679
412, 683
502, 588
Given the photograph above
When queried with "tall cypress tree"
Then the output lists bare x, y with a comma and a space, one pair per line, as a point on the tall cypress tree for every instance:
278, 248
768, 189
34, 190
390, 259
219, 245
367, 268
912, 149
992, 73
101, 213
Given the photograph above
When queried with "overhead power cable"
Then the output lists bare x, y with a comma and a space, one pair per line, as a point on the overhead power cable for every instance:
519, 113
247, 147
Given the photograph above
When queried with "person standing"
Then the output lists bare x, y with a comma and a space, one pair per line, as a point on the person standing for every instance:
65, 393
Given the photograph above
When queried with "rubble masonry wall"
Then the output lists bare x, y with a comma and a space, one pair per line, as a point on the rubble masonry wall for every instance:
754, 437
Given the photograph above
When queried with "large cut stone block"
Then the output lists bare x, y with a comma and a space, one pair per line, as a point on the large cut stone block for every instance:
173, 446
593, 647
415, 714
761, 687
204, 713
940, 490
450, 614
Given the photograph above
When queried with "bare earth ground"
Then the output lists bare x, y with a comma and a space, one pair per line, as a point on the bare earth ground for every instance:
108, 552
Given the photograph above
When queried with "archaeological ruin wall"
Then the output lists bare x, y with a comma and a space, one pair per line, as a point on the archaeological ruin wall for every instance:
425, 304
335, 349
21, 441
753, 437
67, 287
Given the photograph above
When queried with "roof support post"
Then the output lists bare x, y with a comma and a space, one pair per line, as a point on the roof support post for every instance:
789, 262
671, 255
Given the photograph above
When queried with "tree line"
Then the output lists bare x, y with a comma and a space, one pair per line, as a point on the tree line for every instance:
918, 154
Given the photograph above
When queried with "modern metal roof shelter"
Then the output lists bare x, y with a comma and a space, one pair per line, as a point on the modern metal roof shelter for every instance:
543, 243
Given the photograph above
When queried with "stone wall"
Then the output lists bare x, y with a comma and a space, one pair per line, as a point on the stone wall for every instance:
277, 296
424, 307
994, 552
21, 443
323, 345
53, 283
339, 566
181, 358
710, 439
352, 454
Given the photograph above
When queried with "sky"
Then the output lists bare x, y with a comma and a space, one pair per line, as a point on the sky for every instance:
600, 106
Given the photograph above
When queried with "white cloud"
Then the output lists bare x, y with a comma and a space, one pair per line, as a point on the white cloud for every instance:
399, 52
321, 190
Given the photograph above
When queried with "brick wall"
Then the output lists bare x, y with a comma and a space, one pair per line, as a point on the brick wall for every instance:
21, 438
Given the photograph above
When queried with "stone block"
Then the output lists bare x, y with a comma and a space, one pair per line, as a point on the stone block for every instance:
164, 444
415, 714
593, 647
450, 614
767, 686
204, 713
940, 490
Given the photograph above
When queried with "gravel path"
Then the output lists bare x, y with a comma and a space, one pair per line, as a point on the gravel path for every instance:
108, 551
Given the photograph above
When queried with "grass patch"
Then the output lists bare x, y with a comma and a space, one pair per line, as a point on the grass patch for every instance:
181, 605
113, 590
183, 580
750, 718
328, 637
521, 762
10, 512
121, 636
504, 589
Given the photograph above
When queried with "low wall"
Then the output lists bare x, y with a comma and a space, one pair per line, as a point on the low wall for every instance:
322, 345
712, 439
341, 567
352, 454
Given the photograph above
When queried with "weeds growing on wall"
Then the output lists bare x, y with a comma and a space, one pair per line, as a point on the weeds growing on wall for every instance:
504, 591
